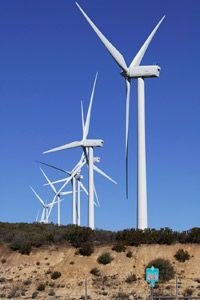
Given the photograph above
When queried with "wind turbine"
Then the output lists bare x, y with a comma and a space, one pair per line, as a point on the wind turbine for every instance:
77, 179
88, 146
56, 194
46, 207
134, 71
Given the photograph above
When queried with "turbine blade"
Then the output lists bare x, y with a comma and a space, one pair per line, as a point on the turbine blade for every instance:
96, 196
66, 146
83, 188
52, 204
87, 122
128, 89
82, 117
57, 181
69, 178
39, 198
65, 193
53, 167
49, 182
118, 57
103, 174
138, 58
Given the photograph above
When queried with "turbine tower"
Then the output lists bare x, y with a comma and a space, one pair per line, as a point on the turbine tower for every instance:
134, 71
88, 146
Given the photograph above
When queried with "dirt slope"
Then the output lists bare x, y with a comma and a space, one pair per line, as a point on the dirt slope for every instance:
20, 275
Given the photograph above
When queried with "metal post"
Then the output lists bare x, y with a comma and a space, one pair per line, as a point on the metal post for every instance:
74, 200
91, 189
86, 289
79, 204
142, 222
58, 210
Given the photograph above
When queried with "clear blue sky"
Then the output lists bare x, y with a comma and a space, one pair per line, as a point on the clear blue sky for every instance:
48, 59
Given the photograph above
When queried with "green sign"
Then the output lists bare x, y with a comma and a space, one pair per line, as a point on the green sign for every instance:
152, 275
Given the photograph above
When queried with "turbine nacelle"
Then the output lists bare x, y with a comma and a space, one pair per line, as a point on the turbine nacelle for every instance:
142, 71
93, 143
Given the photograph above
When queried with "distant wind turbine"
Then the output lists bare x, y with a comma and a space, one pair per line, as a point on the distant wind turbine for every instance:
137, 72
87, 145
56, 194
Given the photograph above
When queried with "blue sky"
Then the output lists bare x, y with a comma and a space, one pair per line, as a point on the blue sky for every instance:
48, 59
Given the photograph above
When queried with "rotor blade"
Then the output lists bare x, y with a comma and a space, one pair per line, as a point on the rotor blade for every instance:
69, 178
82, 117
103, 174
128, 89
65, 193
83, 188
52, 204
53, 167
87, 122
96, 196
118, 57
57, 181
49, 182
138, 58
64, 147
79, 163
42, 202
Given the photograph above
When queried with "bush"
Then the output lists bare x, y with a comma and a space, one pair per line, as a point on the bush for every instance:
188, 292
21, 243
129, 254
105, 258
51, 293
119, 247
41, 287
3, 260
95, 272
86, 249
34, 295
55, 275
131, 278
27, 282
166, 269
182, 255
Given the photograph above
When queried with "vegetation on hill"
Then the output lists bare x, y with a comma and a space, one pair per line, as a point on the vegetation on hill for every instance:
23, 236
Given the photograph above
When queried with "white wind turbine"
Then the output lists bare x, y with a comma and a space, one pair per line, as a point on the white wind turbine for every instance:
88, 157
76, 181
137, 72
58, 195
46, 207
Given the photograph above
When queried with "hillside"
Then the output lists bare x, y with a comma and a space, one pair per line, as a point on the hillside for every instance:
49, 262
20, 275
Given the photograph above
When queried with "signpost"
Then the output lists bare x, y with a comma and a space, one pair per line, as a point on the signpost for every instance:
152, 276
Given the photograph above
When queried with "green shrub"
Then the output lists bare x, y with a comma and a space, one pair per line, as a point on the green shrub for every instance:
95, 272
129, 254
86, 249
41, 287
182, 255
55, 275
166, 269
131, 278
105, 258
3, 260
119, 247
